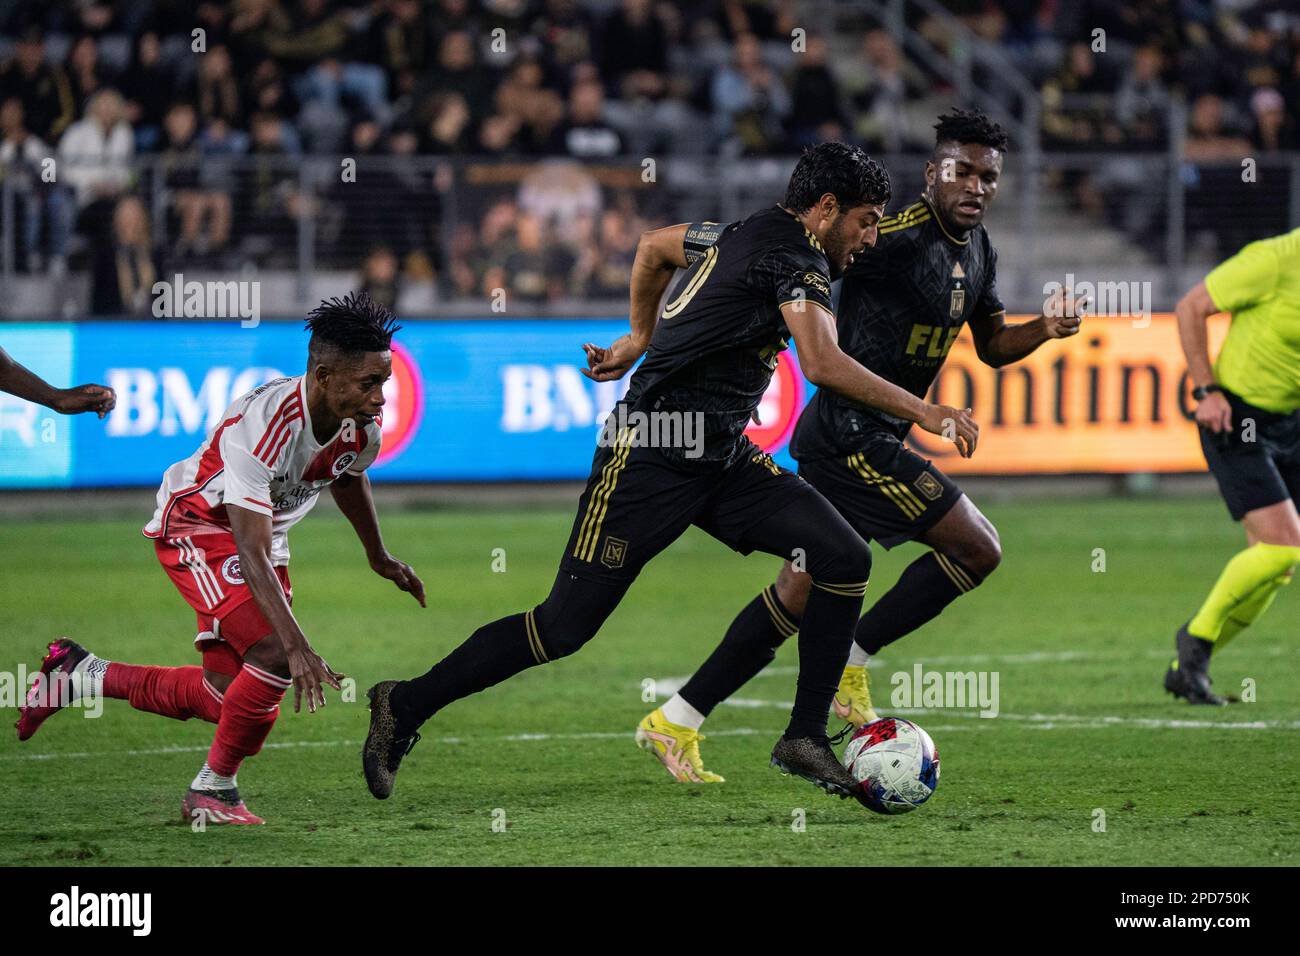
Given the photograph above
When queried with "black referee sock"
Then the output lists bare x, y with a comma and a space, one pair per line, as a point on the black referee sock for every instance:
926, 587
490, 655
749, 646
824, 639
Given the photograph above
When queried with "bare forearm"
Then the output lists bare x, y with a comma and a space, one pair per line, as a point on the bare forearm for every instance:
648, 287
1194, 337
841, 374
17, 380
659, 253
352, 495
261, 578
1011, 343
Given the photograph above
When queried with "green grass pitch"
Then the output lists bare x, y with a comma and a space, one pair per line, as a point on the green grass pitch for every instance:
548, 757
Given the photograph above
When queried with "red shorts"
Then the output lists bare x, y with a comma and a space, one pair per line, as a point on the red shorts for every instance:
205, 569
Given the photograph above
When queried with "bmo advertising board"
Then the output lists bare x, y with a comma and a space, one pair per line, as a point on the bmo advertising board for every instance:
498, 400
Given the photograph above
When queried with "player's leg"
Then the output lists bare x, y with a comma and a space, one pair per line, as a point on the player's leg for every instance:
888, 493
70, 674
748, 646
199, 569
1248, 583
761, 507
635, 505
569, 617
1257, 480
965, 550
250, 706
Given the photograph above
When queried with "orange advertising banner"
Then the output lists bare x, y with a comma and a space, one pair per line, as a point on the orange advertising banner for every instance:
1114, 398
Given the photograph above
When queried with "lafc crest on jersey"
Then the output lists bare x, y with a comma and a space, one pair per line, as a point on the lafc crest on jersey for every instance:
957, 300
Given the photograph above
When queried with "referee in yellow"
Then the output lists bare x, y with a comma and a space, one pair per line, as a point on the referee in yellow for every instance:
1247, 411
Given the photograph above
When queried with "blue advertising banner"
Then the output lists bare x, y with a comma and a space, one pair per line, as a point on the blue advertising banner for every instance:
486, 400
36, 443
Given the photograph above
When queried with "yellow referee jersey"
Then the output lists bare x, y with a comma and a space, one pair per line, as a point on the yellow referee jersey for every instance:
1260, 358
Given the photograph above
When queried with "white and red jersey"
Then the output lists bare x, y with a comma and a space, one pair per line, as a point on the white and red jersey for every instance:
263, 457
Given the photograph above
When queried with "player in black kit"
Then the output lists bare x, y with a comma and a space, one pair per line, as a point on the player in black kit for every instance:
902, 305
749, 287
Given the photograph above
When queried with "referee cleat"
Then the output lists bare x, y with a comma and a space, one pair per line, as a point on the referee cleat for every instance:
675, 746
384, 749
52, 688
217, 808
853, 699
813, 759
1188, 675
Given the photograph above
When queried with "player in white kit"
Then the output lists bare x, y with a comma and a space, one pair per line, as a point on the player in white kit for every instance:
221, 534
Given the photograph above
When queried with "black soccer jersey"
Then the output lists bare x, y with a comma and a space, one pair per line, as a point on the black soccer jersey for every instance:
715, 346
902, 305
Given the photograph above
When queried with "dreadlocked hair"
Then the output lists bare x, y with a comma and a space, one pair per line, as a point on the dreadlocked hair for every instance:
353, 324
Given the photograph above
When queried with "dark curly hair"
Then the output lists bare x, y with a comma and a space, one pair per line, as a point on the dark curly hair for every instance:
847, 172
353, 324
969, 126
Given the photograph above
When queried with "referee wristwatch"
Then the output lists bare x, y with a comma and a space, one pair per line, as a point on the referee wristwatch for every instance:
1201, 391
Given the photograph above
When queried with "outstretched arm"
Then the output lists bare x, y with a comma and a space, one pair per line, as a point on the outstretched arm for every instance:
252, 531
998, 344
352, 495
659, 253
17, 380
827, 366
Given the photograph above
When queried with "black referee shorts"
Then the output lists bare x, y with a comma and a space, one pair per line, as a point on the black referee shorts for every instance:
1257, 464
887, 492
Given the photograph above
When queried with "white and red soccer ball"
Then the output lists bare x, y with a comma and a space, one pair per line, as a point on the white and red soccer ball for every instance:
895, 764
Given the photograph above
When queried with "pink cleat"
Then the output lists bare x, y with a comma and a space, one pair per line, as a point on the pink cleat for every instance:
51, 689
217, 807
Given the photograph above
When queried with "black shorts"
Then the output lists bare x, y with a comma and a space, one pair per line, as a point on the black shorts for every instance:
1260, 472
887, 492
639, 500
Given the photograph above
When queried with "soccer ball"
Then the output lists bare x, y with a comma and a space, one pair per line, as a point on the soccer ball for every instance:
895, 764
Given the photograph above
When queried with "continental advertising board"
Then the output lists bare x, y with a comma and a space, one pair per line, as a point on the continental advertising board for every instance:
504, 400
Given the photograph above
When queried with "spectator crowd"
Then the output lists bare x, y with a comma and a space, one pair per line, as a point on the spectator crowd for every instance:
226, 99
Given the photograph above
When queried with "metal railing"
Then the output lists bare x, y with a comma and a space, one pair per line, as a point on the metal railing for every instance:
558, 236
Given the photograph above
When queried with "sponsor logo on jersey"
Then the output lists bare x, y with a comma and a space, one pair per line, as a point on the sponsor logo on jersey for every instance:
933, 341
230, 570
817, 282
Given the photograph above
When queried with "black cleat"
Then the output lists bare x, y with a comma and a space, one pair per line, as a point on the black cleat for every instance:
384, 749
1188, 677
813, 759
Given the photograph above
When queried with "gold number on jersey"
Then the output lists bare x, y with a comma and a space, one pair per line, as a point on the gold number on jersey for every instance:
682, 301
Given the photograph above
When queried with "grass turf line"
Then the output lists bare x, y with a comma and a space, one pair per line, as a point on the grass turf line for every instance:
1010, 793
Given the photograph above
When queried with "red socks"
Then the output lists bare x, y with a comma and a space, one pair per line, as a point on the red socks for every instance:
244, 716
252, 702
177, 692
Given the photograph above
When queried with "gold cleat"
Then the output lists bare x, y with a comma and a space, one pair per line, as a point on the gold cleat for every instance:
675, 746
853, 699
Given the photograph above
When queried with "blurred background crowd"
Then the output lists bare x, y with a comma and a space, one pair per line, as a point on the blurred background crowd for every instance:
504, 143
